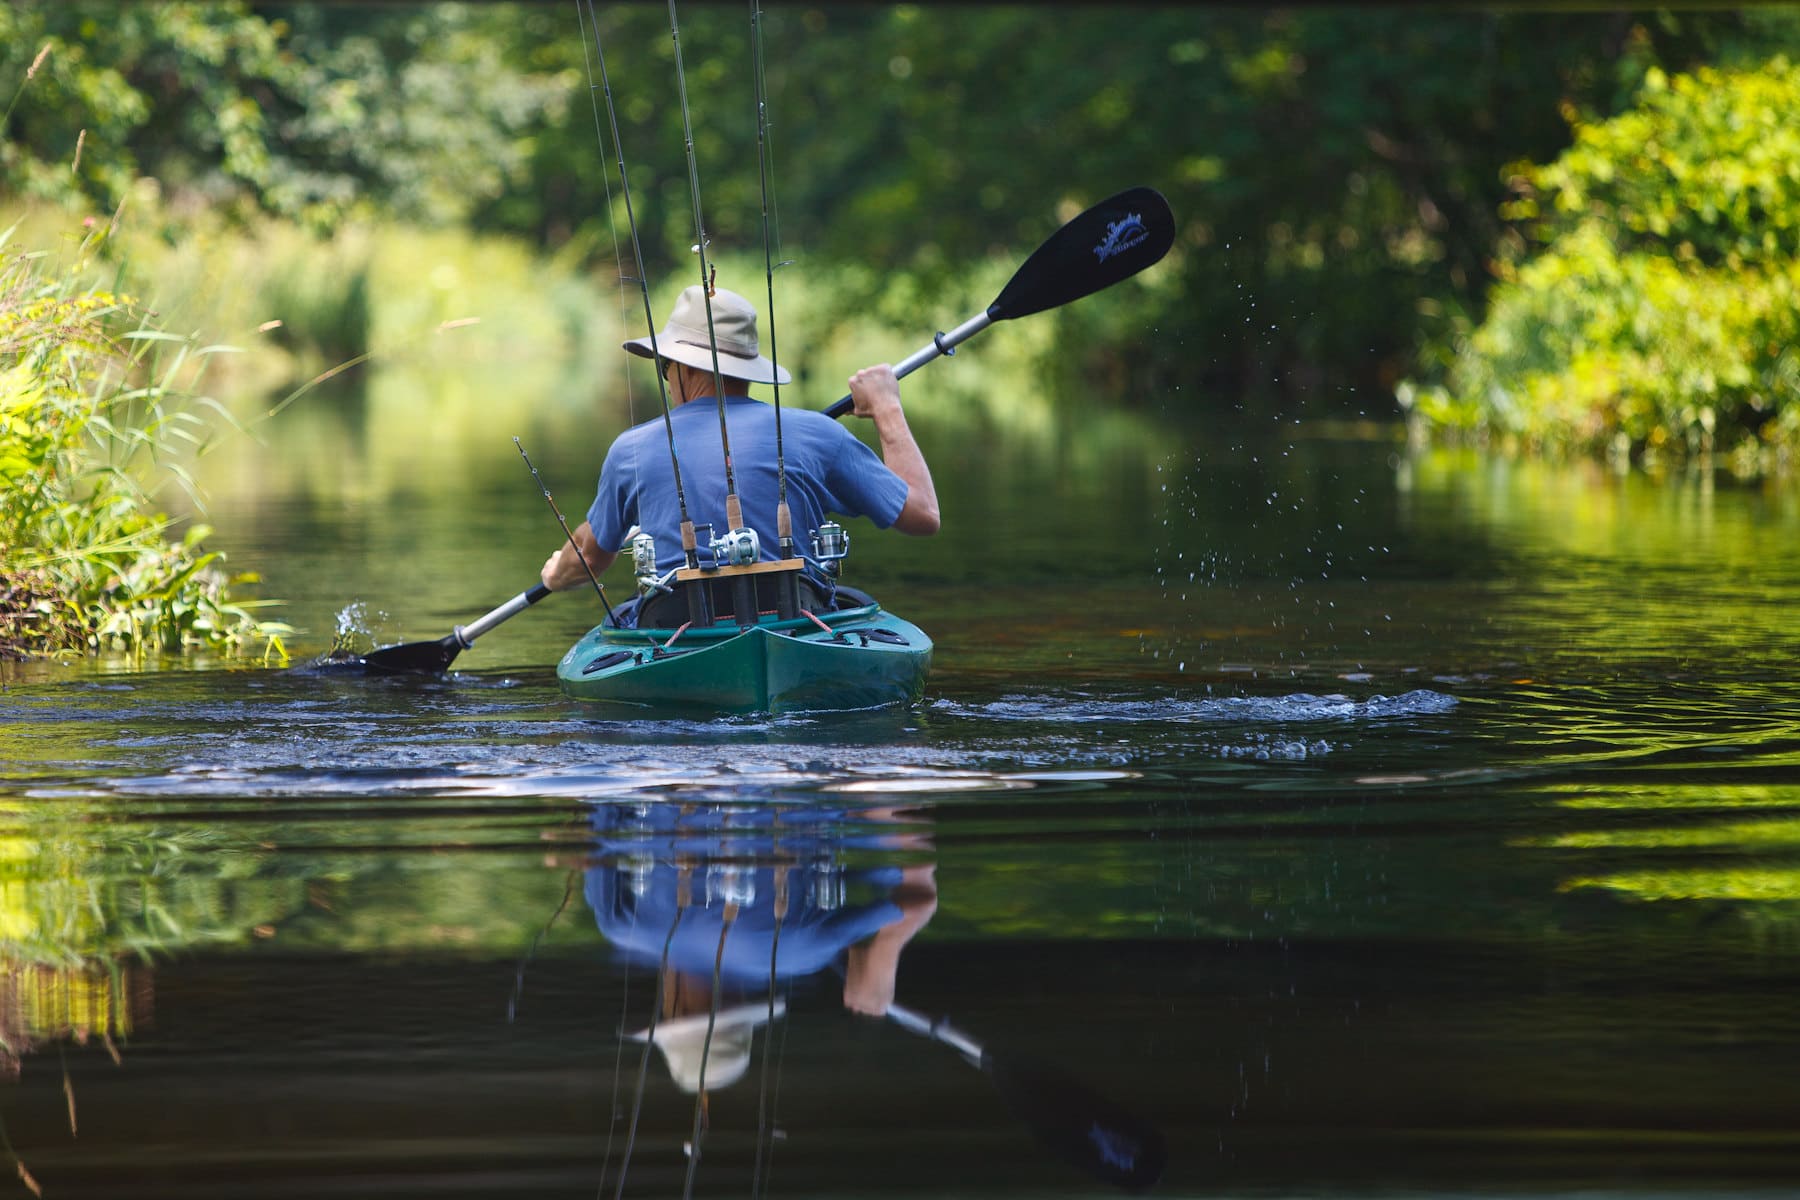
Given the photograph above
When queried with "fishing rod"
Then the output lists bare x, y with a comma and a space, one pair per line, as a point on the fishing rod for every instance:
599, 588
734, 510
512, 1005
712, 1020
689, 543
683, 897
764, 1111
784, 520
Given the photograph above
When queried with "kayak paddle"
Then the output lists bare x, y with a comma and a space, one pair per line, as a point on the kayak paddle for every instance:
1111, 241
1083, 1128
438, 655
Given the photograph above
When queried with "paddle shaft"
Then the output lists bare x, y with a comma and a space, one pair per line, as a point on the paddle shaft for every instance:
466, 634
937, 1031
944, 343
1109, 242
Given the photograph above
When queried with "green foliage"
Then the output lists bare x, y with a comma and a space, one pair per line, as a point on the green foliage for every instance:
1706, 166
1661, 311
66, 901
93, 413
318, 116
1337, 177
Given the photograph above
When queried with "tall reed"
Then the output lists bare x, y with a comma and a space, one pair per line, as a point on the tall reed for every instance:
97, 412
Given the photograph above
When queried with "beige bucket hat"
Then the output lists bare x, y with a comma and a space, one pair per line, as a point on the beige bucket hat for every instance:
684, 338
684, 1044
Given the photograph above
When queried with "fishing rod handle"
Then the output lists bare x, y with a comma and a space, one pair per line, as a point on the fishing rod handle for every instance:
512, 608
942, 344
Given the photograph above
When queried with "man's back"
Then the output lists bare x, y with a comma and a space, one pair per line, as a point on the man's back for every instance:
829, 472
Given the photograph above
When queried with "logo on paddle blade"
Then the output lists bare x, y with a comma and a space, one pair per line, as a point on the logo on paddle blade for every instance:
1122, 235
1115, 1149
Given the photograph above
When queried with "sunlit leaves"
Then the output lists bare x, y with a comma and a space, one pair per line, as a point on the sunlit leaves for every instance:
1662, 311
91, 408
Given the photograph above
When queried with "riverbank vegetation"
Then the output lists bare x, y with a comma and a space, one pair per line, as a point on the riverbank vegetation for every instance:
1653, 308
322, 186
1334, 223
96, 409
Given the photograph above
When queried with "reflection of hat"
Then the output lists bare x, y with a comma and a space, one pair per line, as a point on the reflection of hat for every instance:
684, 338
683, 1042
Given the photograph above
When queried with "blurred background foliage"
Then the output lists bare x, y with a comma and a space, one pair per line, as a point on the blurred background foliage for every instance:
1350, 184
1654, 302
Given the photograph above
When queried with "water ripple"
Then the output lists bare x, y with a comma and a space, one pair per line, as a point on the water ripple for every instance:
1299, 707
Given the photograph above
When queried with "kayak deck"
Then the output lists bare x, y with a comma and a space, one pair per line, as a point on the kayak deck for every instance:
854, 658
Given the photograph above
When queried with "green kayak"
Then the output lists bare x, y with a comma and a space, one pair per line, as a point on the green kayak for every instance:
850, 658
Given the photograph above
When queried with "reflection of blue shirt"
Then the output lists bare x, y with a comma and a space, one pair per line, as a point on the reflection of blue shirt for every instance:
729, 851
829, 473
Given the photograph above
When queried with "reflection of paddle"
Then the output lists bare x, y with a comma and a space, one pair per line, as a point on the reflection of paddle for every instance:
1085, 1128
1111, 241
438, 655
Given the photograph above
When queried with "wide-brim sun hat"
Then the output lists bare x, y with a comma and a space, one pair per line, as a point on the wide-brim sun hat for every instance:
684, 339
683, 1043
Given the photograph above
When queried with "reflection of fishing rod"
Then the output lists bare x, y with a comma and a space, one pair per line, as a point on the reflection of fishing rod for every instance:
1081, 1126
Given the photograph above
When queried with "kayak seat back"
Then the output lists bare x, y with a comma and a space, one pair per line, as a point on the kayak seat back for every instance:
670, 610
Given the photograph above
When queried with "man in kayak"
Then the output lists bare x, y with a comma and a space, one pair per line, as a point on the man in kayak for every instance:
829, 471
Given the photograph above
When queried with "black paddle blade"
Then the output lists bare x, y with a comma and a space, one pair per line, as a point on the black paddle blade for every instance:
413, 657
1082, 1127
1111, 241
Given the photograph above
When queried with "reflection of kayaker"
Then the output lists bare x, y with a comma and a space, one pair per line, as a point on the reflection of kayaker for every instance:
754, 896
728, 901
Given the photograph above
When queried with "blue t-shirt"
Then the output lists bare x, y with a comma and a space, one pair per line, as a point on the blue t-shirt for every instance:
829, 473
637, 891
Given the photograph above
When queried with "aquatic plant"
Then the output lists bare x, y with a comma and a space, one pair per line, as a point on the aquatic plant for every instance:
96, 410
1656, 309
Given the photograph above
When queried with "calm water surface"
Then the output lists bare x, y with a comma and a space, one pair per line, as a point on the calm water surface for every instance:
1365, 824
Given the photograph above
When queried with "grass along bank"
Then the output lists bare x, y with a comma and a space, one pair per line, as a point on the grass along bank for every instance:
97, 408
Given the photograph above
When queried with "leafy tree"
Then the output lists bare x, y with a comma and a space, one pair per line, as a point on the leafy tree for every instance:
317, 114
1338, 176
1662, 301
172, 89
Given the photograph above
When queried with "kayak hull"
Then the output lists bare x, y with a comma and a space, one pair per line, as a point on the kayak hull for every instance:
857, 658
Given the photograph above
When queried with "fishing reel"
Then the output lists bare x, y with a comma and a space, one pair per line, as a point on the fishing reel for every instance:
830, 547
736, 548
643, 565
